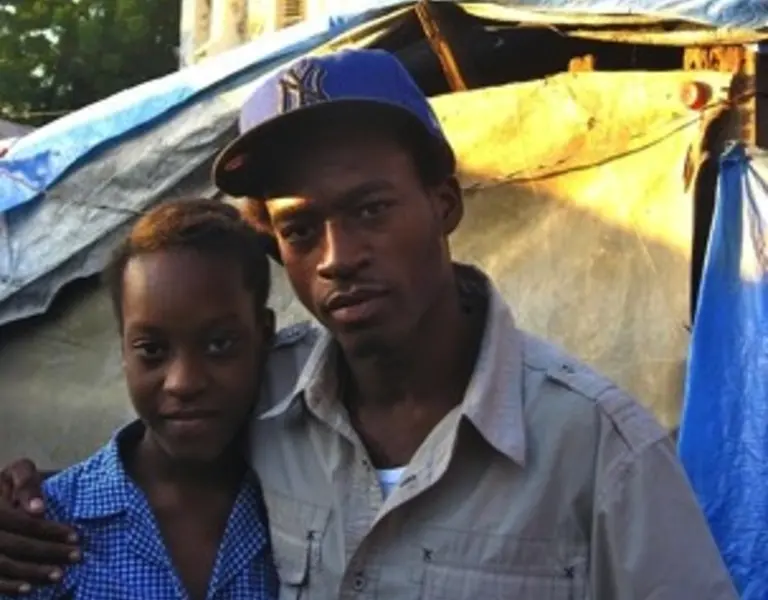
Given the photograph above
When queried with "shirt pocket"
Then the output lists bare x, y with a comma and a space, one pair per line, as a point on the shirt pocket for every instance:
292, 561
297, 532
529, 570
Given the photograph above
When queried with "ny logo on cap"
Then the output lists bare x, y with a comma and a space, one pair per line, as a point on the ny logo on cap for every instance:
302, 85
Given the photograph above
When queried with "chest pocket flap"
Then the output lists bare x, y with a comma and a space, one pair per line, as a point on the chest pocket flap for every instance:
297, 530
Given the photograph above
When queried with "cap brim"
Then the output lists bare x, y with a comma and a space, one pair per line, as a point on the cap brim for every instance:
242, 167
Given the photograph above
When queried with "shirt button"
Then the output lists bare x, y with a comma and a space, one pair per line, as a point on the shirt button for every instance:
359, 582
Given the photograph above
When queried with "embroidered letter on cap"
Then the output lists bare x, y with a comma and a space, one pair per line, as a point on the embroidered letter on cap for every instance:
302, 85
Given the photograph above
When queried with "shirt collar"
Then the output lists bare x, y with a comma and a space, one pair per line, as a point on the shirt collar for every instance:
493, 401
105, 489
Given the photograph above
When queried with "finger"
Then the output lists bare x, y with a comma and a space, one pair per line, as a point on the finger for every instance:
18, 572
16, 521
22, 548
14, 588
26, 485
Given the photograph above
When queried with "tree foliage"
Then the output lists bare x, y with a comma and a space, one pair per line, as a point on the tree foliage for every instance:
60, 55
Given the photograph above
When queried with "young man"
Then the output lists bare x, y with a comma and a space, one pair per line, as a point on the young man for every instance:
168, 509
429, 449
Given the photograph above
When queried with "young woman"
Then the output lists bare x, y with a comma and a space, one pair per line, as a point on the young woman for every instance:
168, 510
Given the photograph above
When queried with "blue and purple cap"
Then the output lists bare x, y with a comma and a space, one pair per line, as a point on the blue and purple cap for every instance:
313, 91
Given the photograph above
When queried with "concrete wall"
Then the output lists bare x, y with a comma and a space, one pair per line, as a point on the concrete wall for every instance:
209, 27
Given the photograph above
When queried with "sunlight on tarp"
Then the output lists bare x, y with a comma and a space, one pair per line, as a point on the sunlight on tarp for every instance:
576, 207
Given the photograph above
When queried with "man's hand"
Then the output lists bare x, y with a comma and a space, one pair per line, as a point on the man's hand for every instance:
33, 551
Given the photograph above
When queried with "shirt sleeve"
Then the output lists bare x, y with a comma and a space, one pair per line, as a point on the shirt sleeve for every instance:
650, 537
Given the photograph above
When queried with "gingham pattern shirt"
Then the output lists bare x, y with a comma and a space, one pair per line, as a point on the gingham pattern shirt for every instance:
124, 554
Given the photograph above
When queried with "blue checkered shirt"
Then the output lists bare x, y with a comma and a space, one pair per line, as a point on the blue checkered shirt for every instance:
124, 554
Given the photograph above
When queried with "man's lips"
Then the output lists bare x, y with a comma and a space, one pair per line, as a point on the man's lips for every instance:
355, 305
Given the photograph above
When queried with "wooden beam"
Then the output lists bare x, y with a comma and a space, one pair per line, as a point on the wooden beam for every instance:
440, 46
741, 62
719, 125
581, 64
761, 99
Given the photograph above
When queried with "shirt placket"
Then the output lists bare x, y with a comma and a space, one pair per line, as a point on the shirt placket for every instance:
364, 553
363, 502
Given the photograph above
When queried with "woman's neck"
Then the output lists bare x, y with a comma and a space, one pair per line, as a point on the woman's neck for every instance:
151, 465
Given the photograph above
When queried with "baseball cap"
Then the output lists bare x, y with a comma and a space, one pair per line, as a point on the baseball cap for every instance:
295, 98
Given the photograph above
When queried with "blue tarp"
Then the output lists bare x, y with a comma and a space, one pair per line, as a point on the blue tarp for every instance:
724, 432
748, 14
68, 190
42, 158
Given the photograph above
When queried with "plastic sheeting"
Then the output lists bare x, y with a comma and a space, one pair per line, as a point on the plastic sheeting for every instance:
724, 434
585, 259
39, 160
92, 171
105, 164
748, 14
68, 235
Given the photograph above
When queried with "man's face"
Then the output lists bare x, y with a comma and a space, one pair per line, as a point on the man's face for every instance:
362, 239
191, 346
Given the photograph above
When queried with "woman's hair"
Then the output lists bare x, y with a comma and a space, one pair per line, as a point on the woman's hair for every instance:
205, 226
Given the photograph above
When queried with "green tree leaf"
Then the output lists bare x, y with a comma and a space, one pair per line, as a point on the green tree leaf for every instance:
58, 56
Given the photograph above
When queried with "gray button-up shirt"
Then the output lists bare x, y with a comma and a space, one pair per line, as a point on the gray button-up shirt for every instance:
546, 483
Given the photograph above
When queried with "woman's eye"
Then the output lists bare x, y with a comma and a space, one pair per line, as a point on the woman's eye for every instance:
150, 351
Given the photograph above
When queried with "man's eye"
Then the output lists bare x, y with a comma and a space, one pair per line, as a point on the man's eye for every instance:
150, 351
296, 234
220, 346
370, 210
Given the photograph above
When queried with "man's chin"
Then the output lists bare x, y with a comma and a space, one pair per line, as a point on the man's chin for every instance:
365, 344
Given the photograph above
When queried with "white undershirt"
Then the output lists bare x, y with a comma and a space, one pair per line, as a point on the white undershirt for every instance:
389, 479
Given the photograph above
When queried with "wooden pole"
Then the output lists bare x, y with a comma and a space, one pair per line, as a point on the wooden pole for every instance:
440, 46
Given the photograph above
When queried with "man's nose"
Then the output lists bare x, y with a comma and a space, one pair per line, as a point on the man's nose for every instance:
185, 377
345, 251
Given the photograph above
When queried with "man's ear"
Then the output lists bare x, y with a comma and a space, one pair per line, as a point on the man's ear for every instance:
450, 203
271, 247
255, 212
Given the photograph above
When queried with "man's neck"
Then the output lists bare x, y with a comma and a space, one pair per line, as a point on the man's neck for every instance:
396, 400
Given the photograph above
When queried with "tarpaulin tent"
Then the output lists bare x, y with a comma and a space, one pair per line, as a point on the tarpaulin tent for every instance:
9, 129
575, 190
724, 433
10, 133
